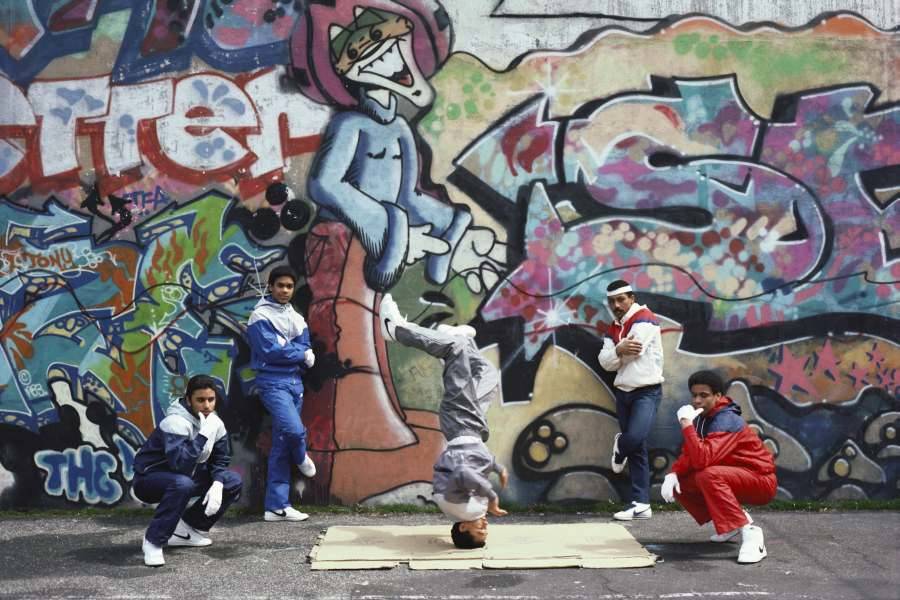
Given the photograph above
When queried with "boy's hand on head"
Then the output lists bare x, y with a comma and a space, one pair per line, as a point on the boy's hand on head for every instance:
209, 425
494, 508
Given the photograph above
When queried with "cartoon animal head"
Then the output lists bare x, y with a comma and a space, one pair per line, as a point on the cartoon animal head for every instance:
389, 44
375, 50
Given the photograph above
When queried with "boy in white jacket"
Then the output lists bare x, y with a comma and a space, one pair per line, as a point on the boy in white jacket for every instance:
633, 349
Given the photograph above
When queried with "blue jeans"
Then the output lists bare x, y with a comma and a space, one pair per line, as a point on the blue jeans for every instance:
636, 411
173, 491
283, 398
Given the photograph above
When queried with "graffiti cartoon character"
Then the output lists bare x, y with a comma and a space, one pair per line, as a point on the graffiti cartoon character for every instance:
366, 172
373, 221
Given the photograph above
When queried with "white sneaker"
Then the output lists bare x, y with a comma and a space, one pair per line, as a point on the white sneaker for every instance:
153, 555
308, 468
288, 513
730, 535
617, 467
637, 511
390, 317
753, 546
457, 330
185, 535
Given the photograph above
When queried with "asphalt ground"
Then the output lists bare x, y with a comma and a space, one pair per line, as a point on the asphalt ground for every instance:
827, 555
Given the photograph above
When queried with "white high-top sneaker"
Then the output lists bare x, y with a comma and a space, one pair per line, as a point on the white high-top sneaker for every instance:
288, 513
153, 555
753, 546
636, 511
729, 535
185, 535
390, 317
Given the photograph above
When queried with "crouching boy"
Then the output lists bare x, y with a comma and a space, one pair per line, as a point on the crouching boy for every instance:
186, 456
723, 464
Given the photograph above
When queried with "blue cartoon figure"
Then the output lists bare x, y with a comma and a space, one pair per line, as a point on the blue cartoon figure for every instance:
373, 220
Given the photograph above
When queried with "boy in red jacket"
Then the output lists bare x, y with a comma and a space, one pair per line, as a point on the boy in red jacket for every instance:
723, 464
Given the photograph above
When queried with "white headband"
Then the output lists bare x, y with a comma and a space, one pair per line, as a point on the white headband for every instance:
619, 290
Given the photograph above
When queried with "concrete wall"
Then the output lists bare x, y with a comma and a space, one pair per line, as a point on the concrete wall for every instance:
744, 175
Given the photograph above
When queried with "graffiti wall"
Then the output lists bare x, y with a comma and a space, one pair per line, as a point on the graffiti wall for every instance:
159, 157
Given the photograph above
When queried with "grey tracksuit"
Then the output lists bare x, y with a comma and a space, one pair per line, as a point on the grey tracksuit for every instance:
461, 488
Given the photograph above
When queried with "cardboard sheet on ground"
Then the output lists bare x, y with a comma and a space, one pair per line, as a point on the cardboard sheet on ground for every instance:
587, 545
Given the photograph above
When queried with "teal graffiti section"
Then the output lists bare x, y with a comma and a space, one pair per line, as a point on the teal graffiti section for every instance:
97, 338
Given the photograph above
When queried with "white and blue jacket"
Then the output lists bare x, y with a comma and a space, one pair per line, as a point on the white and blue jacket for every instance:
176, 446
279, 339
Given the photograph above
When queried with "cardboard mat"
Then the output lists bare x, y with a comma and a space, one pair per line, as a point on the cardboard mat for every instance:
587, 545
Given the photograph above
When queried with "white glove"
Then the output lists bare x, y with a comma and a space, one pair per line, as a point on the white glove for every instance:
209, 425
421, 244
670, 485
688, 412
309, 357
213, 499
209, 428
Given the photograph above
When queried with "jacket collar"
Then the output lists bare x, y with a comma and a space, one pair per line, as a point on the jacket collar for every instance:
182, 409
269, 302
722, 404
631, 311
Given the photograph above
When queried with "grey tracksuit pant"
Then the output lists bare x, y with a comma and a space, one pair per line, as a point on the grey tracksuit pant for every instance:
470, 381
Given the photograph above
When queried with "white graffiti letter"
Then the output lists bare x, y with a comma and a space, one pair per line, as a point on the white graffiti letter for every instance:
16, 114
196, 134
61, 104
304, 117
128, 105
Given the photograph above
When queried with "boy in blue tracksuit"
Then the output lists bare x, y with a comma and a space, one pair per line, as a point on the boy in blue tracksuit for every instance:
186, 456
280, 354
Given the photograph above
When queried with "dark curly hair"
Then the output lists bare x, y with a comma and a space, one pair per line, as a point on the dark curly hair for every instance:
710, 378
282, 271
463, 539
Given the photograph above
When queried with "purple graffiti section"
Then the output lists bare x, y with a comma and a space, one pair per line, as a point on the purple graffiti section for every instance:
830, 144
695, 198
162, 35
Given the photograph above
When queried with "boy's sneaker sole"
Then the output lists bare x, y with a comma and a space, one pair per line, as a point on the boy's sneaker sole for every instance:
631, 515
720, 538
308, 467
727, 537
753, 557
189, 540
280, 515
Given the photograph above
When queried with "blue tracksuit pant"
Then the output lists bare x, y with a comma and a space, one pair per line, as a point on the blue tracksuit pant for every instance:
283, 398
173, 491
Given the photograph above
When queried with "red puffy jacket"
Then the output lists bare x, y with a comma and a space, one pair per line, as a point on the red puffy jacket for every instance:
723, 438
